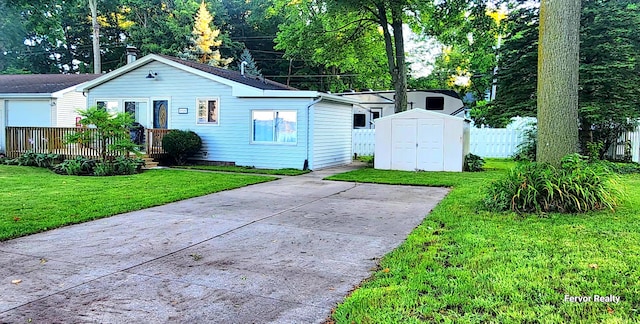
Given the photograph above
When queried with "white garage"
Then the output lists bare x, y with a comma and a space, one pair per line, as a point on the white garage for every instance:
418, 139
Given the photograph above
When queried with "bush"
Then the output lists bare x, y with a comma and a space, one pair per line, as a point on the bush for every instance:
577, 186
622, 167
126, 165
473, 163
181, 144
29, 158
76, 166
526, 151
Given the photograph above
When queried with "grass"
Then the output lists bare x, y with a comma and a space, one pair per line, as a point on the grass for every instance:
245, 169
466, 265
34, 199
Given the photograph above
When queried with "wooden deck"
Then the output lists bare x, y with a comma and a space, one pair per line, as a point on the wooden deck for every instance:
52, 140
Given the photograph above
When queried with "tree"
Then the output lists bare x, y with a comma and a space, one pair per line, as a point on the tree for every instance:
250, 68
97, 66
517, 72
204, 38
558, 69
332, 42
609, 71
340, 24
108, 133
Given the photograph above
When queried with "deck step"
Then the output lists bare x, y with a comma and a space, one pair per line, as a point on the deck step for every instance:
149, 162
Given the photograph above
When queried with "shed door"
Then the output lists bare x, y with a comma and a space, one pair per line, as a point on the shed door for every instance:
403, 144
430, 140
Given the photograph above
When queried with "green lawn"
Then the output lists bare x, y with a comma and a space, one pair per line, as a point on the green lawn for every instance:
466, 265
243, 169
34, 200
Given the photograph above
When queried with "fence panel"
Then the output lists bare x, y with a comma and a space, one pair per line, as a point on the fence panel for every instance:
495, 142
364, 141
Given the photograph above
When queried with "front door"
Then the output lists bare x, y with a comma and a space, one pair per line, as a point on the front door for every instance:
160, 114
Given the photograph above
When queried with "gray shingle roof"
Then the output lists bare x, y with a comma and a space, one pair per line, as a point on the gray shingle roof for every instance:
259, 83
41, 83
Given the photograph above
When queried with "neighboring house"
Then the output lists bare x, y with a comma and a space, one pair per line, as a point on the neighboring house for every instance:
376, 104
242, 120
40, 100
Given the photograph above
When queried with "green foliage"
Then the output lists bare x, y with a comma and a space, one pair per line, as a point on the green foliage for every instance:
577, 186
609, 71
517, 73
464, 265
339, 39
246, 169
526, 151
622, 167
251, 69
473, 163
30, 158
76, 166
106, 133
180, 144
48, 201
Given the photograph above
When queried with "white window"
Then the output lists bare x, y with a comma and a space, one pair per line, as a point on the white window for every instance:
274, 126
208, 111
110, 106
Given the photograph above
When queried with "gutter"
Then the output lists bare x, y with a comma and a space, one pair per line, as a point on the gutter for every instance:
317, 100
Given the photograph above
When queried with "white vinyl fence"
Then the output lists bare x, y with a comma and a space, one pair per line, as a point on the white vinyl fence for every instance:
485, 142
364, 141
495, 142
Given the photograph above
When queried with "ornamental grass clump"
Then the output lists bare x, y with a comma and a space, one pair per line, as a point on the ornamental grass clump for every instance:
577, 186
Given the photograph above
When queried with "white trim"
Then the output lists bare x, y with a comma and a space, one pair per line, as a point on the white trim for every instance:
118, 100
60, 93
236, 86
27, 96
197, 109
237, 89
137, 100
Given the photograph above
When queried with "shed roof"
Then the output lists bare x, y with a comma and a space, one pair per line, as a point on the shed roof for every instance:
417, 113
41, 83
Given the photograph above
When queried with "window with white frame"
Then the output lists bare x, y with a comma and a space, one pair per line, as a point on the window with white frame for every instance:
110, 106
208, 111
274, 126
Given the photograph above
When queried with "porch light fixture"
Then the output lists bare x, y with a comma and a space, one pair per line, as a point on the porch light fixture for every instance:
152, 75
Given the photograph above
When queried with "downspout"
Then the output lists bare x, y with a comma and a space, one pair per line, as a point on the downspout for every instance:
306, 161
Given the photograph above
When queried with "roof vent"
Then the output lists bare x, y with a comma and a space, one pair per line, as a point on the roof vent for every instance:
132, 54
242, 65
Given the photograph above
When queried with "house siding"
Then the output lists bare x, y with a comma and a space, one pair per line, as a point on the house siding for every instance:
332, 130
67, 107
3, 119
230, 140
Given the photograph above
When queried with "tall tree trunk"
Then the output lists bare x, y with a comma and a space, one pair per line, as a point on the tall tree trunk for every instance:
97, 65
400, 83
394, 48
558, 79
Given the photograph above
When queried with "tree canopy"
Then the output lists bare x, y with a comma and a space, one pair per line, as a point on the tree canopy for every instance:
609, 57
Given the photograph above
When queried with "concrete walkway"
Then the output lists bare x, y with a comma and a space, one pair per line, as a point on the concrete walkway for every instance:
285, 251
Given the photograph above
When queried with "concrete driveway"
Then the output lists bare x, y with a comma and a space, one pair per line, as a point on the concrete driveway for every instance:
286, 251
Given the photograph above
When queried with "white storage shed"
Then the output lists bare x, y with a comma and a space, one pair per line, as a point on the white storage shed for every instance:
423, 140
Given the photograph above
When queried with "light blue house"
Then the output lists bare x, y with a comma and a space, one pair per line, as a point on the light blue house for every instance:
241, 120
